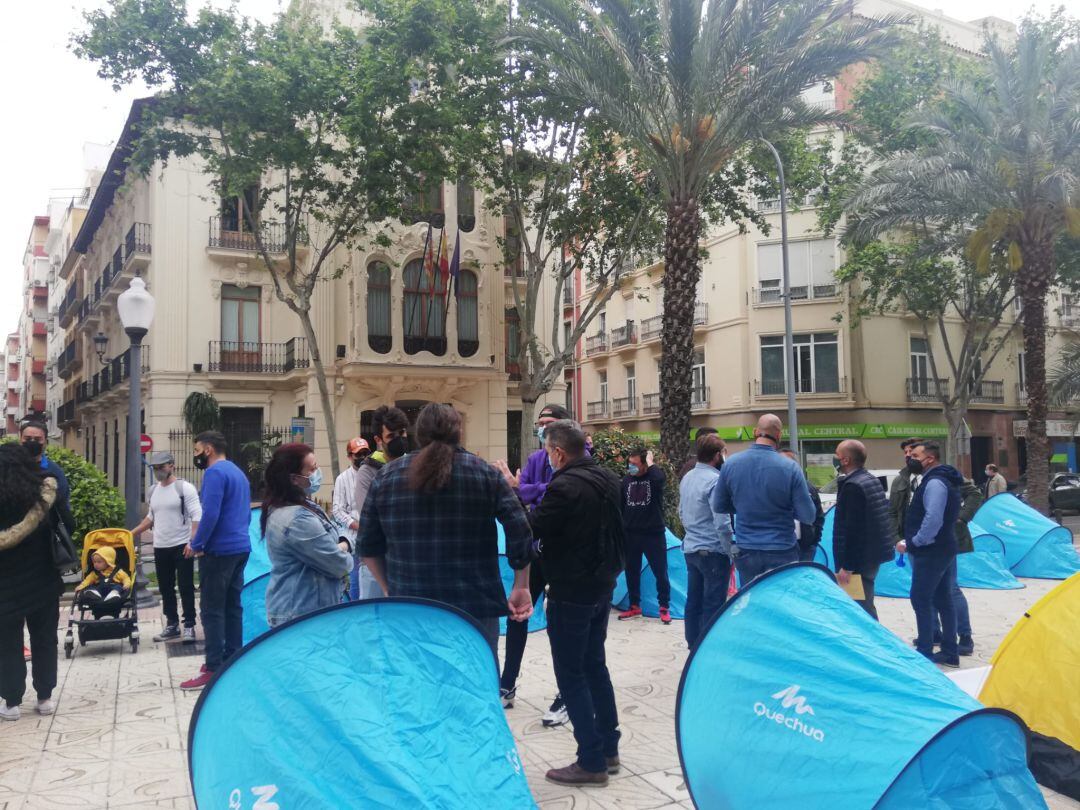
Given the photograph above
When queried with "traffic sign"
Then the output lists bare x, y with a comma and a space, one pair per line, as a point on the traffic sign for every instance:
146, 444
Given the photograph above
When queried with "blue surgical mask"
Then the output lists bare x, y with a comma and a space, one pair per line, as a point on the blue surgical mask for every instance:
540, 434
314, 482
633, 469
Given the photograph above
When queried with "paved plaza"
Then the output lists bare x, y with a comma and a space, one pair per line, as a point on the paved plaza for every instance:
119, 736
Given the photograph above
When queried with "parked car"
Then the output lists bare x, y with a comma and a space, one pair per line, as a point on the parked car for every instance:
828, 492
1065, 492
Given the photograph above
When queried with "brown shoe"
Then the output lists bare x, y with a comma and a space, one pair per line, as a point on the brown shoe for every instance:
613, 765
577, 776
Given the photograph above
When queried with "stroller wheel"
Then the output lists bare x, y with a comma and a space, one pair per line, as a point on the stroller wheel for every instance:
134, 644
69, 649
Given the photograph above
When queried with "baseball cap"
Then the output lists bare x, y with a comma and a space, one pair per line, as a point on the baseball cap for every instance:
158, 459
356, 445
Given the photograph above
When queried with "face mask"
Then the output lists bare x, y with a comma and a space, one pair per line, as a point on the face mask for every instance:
314, 482
33, 447
551, 463
914, 466
397, 447
540, 433
201, 462
633, 469
161, 475
357, 462
836, 463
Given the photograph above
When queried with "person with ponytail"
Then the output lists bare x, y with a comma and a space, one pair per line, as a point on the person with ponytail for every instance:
308, 558
428, 527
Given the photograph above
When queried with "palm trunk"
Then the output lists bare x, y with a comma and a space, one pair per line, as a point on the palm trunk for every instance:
682, 269
1033, 287
324, 390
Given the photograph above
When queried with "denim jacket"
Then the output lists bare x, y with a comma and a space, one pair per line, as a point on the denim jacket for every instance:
306, 564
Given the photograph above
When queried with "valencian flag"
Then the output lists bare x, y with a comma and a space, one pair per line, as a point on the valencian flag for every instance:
444, 262
429, 259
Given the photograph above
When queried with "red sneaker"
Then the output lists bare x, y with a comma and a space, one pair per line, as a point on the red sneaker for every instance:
198, 682
665, 615
203, 670
25, 653
632, 613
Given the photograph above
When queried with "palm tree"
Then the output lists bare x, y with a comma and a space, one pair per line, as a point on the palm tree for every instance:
1064, 383
690, 85
1004, 158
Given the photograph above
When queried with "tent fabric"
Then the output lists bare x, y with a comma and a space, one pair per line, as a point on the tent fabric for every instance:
538, 620
1035, 546
253, 603
677, 577
793, 676
379, 703
258, 562
1036, 669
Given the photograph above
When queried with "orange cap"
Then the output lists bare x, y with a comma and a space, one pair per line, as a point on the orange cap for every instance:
356, 445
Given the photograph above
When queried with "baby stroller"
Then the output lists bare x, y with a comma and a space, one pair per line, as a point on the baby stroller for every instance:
126, 624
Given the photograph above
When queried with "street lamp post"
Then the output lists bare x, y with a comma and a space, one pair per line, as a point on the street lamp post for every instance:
789, 341
136, 309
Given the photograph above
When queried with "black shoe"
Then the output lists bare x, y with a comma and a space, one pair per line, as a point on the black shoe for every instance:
966, 646
171, 631
613, 764
556, 714
507, 696
945, 660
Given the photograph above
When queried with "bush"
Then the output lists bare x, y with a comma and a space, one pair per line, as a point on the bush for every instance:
611, 449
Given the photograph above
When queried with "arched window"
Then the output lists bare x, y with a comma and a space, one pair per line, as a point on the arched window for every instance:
468, 315
378, 307
466, 205
423, 309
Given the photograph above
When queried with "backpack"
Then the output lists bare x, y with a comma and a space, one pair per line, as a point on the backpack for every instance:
183, 506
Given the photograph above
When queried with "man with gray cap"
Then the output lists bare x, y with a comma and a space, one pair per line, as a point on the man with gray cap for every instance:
174, 515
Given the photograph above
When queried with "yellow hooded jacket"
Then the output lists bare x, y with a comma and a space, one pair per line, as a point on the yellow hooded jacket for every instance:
110, 574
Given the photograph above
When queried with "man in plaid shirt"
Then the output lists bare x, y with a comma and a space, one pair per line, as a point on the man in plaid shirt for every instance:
443, 544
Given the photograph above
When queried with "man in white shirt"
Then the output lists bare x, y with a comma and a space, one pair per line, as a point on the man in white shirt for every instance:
362, 584
174, 515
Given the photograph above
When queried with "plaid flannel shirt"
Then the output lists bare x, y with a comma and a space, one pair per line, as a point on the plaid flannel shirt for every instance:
444, 545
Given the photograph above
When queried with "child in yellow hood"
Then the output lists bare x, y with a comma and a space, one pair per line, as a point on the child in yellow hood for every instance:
103, 589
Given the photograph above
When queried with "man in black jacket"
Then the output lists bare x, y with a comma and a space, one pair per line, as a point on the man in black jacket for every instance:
862, 532
643, 524
581, 549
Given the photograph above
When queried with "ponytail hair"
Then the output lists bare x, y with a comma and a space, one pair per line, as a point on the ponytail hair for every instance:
438, 430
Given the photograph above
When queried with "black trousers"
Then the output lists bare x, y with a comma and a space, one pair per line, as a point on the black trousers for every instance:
41, 622
220, 581
173, 569
654, 547
517, 633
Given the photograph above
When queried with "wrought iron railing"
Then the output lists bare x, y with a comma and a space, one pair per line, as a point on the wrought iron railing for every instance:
624, 406
652, 327
137, 239
596, 344
597, 410
650, 403
245, 357
773, 387
232, 235
923, 389
699, 398
624, 335
988, 391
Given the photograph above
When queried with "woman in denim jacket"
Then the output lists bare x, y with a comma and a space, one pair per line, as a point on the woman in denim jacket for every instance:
308, 558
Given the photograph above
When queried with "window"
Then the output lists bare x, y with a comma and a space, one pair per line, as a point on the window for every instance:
116, 453
1021, 371
240, 327
424, 309
603, 385
238, 212
631, 382
816, 361
570, 399
568, 333
380, 335
697, 371
513, 338
811, 263
468, 317
1066, 307
920, 366
515, 264
466, 205
426, 205
602, 322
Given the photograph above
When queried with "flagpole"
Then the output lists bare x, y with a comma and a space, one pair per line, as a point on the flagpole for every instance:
432, 284
423, 268
454, 263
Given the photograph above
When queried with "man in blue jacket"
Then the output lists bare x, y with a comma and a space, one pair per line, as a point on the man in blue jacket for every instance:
930, 542
767, 493
222, 545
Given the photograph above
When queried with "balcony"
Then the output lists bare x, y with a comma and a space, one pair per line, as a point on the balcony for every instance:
69, 306
652, 327
226, 236
699, 398
111, 275
921, 389
701, 313
650, 404
65, 414
624, 406
989, 392
778, 388
137, 248
597, 344
41, 292
89, 317
597, 410
1021, 395
82, 393
771, 296
37, 405
39, 329
513, 368
567, 296
231, 357
37, 366
68, 362
625, 335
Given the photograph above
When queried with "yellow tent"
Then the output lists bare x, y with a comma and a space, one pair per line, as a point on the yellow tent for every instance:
1035, 673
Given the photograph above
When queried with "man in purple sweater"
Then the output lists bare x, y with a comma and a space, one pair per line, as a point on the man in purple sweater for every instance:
531, 484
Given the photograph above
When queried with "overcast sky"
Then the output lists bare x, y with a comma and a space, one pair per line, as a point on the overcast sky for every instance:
54, 103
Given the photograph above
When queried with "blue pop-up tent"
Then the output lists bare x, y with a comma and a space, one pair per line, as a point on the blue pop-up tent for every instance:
253, 603
677, 576
1035, 546
380, 703
538, 620
795, 697
258, 562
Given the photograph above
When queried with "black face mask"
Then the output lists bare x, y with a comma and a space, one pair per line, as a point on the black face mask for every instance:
33, 447
357, 462
914, 466
397, 447
201, 462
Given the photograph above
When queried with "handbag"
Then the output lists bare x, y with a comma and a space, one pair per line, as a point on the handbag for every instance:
64, 555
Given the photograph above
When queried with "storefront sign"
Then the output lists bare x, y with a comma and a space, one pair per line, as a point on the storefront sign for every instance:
1054, 427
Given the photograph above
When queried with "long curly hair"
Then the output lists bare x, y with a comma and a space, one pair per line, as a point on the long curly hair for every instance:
287, 461
20, 483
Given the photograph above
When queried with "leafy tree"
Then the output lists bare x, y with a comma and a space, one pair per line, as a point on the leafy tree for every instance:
1006, 161
688, 84
612, 448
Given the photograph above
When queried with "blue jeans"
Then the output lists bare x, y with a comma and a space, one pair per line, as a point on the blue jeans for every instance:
963, 615
707, 575
220, 581
752, 562
932, 578
577, 634
362, 583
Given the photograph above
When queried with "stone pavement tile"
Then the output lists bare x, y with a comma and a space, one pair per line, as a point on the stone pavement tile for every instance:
632, 793
12, 801
158, 705
670, 782
17, 772
83, 739
88, 796
1056, 801
29, 724
141, 780
72, 771
649, 758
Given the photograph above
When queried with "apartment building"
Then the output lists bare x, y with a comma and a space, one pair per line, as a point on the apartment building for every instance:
867, 379
385, 336
12, 383
33, 323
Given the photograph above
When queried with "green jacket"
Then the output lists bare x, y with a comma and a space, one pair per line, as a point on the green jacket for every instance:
971, 500
899, 497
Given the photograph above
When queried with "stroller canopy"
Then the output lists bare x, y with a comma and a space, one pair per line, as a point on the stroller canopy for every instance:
1035, 546
538, 621
677, 576
253, 601
1035, 673
381, 703
795, 697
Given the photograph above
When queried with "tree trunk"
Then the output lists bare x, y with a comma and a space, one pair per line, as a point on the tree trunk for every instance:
529, 442
954, 418
324, 391
682, 269
1033, 287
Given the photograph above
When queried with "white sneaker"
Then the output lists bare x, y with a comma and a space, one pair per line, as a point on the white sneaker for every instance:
45, 707
556, 714
9, 712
